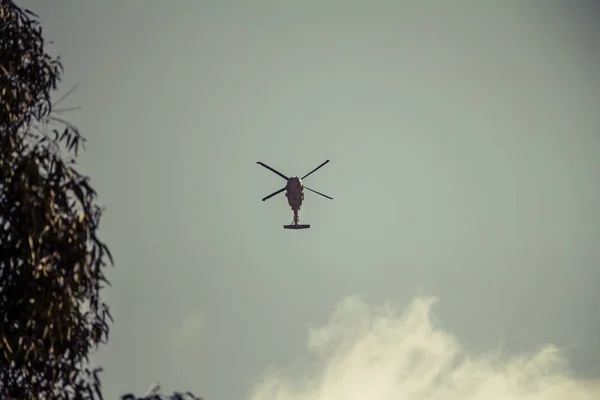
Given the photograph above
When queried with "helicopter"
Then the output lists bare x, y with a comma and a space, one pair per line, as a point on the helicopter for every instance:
295, 194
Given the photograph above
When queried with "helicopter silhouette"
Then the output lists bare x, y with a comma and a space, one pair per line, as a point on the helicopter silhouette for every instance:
294, 189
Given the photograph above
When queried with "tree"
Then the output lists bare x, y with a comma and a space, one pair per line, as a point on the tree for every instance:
156, 395
51, 259
174, 396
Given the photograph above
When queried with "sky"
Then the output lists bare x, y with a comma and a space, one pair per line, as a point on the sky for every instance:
459, 257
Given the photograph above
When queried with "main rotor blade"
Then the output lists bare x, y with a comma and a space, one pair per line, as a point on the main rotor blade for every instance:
315, 169
273, 170
331, 198
273, 194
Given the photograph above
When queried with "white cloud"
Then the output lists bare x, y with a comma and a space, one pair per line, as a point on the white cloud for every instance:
376, 354
188, 334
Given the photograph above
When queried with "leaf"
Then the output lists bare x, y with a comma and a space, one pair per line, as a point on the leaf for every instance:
6, 344
31, 13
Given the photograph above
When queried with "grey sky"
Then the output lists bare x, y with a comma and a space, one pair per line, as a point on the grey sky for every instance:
465, 158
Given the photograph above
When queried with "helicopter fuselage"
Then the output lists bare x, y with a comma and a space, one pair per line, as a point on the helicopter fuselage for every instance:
294, 191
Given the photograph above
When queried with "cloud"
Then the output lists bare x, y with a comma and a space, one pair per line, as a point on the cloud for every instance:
365, 353
188, 334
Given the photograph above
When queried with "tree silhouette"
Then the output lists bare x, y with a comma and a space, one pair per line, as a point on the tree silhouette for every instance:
156, 395
51, 259
174, 396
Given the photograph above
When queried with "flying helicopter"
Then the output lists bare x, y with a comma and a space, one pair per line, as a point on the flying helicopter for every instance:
294, 191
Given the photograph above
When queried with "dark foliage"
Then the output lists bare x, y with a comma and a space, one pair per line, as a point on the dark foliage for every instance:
174, 396
51, 260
